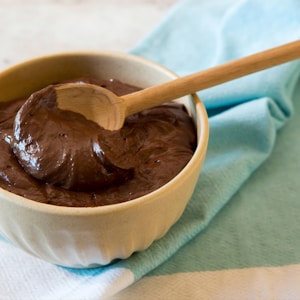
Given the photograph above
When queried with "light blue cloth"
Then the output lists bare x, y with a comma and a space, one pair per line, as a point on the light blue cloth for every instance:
245, 116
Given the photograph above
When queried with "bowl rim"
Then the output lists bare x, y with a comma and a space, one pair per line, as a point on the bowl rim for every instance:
199, 152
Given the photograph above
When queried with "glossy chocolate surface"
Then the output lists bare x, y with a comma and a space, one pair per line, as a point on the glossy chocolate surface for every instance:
58, 157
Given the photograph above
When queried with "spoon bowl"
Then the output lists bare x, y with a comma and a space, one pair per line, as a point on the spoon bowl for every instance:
94, 102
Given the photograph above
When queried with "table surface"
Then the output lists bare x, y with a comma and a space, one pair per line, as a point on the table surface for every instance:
33, 28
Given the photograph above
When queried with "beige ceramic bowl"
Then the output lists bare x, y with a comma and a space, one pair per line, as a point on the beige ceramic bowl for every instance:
88, 237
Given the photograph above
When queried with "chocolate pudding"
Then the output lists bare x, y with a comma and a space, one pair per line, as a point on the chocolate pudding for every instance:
59, 157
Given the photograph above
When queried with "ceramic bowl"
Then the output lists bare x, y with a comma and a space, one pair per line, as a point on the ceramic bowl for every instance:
87, 237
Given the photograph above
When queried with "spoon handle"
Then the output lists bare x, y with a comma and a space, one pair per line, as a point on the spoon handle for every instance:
182, 86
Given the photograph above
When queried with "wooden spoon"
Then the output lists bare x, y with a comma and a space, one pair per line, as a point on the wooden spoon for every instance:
109, 111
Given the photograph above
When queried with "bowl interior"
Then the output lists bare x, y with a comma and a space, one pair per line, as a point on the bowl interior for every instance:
22, 79
25, 78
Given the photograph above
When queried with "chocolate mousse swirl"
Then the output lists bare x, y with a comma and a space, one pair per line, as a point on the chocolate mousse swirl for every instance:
62, 148
60, 158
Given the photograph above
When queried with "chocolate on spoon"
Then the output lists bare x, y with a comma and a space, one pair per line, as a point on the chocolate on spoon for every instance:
62, 148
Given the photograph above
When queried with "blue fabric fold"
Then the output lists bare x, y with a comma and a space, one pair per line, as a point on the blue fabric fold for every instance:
245, 114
